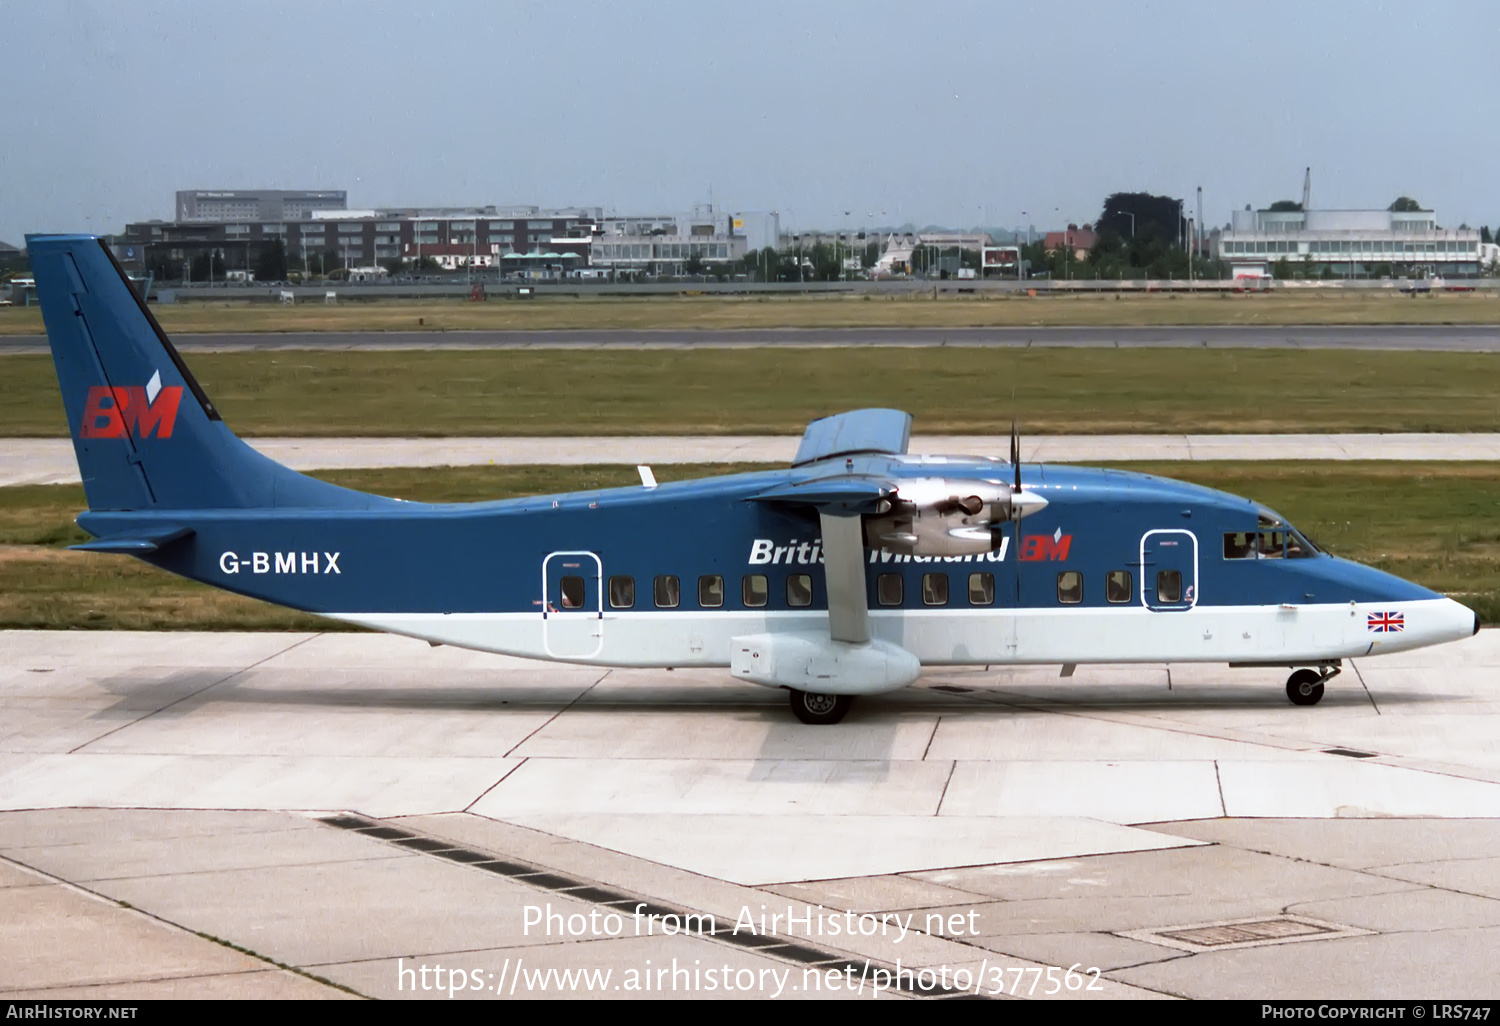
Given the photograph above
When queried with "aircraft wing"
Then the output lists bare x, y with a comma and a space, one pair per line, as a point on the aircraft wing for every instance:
855, 432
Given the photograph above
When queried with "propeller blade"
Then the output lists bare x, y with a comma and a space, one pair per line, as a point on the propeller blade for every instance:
1015, 453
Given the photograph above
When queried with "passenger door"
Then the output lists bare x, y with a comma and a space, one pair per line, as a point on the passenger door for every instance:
1169, 570
572, 605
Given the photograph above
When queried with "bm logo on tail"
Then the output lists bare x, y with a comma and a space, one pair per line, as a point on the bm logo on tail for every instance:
116, 412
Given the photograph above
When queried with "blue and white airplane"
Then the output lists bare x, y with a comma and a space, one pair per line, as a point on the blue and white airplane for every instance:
843, 575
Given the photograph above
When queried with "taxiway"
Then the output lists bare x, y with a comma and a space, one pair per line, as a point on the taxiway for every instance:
52, 460
1466, 338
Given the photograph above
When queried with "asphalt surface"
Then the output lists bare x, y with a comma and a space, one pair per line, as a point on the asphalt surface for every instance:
1435, 338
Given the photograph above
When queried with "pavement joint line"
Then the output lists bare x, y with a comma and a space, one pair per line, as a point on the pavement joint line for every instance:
952, 768
1219, 783
503, 777
1361, 678
553, 718
135, 910
141, 719
798, 952
938, 722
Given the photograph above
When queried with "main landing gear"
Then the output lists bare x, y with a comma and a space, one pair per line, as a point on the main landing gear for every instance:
1305, 687
810, 707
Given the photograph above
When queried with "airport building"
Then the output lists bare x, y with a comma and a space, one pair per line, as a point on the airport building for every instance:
256, 204
668, 244
524, 241
1348, 244
325, 240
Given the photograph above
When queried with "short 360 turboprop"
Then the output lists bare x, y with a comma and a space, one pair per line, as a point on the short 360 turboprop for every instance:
843, 575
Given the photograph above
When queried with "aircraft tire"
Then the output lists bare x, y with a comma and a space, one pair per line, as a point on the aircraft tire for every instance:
1305, 687
816, 709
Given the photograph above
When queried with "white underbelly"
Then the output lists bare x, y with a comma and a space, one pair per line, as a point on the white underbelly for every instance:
937, 637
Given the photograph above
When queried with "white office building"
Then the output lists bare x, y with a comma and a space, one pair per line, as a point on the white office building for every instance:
1348, 244
664, 244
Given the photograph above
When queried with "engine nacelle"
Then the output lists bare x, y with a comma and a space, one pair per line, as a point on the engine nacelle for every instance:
811, 661
940, 517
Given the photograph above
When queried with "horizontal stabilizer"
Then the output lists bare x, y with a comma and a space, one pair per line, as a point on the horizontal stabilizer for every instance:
136, 542
858, 431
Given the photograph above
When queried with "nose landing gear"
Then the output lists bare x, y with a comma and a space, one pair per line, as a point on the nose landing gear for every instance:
810, 707
1305, 687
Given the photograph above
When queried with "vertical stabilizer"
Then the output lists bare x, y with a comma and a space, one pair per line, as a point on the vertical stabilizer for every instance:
146, 435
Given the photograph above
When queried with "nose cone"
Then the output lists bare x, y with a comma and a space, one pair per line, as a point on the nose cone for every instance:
1445, 620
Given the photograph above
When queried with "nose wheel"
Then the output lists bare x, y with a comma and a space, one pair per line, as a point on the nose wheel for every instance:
1305, 687
810, 707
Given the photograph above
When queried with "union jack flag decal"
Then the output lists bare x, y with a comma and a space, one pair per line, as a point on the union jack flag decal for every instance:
1386, 623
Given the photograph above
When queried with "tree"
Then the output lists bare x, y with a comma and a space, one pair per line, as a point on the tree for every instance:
1485, 236
1284, 206
693, 264
1404, 205
1282, 269
270, 262
1140, 215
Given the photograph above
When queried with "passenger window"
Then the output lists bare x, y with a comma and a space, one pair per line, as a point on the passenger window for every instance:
1169, 586
1117, 586
755, 591
888, 591
622, 592
1239, 545
799, 590
1070, 587
1271, 544
572, 592
981, 589
711, 591
666, 592
935, 589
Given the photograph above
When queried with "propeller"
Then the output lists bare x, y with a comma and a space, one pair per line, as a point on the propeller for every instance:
1015, 453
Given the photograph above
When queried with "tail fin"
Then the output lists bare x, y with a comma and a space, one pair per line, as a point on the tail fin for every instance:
146, 435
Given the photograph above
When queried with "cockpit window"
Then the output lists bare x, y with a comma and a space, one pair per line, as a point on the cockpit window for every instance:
1239, 545
1272, 545
1275, 539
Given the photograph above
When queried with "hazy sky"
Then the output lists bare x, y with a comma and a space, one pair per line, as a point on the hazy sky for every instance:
954, 113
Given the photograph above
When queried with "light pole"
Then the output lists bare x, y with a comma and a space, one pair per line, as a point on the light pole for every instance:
1021, 262
1067, 242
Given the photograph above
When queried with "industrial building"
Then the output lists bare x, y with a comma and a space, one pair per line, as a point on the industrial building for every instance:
1348, 244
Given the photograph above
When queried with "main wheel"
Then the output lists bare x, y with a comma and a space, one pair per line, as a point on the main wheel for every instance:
811, 707
1305, 687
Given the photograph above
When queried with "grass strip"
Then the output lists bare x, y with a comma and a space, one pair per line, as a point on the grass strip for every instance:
777, 391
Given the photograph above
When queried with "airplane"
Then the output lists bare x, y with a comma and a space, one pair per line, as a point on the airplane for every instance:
846, 574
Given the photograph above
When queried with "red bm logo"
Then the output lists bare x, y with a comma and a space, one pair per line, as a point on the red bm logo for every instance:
1038, 548
117, 412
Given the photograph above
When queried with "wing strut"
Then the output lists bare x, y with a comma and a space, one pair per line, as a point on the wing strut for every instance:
844, 568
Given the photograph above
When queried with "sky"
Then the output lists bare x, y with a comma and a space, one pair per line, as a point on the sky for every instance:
834, 114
